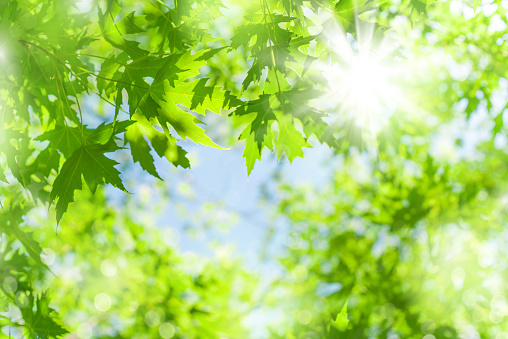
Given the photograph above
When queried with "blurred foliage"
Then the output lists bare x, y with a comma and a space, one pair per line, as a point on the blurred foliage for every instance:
405, 240
113, 277
417, 247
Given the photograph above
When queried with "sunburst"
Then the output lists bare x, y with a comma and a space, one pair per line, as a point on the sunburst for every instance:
363, 79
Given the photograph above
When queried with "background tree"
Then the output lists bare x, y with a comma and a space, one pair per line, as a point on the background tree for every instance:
405, 240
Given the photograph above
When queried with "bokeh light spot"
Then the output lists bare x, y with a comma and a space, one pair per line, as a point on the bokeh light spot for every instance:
102, 302
166, 330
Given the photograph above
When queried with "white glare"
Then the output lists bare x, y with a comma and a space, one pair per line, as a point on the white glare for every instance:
360, 86
3, 55
361, 79
84, 5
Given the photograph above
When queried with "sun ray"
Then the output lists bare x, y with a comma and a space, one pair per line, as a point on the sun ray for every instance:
364, 80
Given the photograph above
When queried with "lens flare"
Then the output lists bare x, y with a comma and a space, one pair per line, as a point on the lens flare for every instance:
363, 79
361, 86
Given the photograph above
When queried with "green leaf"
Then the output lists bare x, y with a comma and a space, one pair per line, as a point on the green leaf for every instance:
67, 139
31, 246
164, 145
296, 102
63, 138
251, 153
498, 123
245, 33
46, 161
42, 324
273, 57
345, 12
104, 132
173, 152
210, 53
289, 141
421, 5
89, 162
131, 24
11, 153
133, 80
114, 36
476, 3
263, 113
110, 70
341, 322
140, 150
195, 96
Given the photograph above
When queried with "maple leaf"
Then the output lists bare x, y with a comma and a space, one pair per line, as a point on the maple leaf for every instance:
133, 80
262, 32
171, 69
31, 246
295, 101
245, 33
46, 161
140, 150
90, 162
261, 115
289, 140
164, 145
114, 36
109, 73
67, 139
167, 147
195, 96
63, 138
275, 55
177, 67
40, 323
251, 153
104, 133
11, 222
345, 12
131, 24
341, 322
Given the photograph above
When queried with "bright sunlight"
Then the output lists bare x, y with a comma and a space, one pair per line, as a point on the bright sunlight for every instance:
362, 79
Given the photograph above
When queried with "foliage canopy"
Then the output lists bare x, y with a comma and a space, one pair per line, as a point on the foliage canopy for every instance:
369, 255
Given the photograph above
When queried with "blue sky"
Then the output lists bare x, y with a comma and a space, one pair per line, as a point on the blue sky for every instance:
216, 204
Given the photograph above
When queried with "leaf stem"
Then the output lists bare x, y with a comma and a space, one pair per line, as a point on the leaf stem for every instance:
272, 41
101, 57
51, 55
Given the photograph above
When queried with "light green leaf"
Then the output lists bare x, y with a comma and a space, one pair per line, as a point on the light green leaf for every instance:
341, 322
196, 97
251, 153
289, 141
140, 149
476, 3
164, 145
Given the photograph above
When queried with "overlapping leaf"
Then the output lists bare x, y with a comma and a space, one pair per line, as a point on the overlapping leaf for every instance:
90, 163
